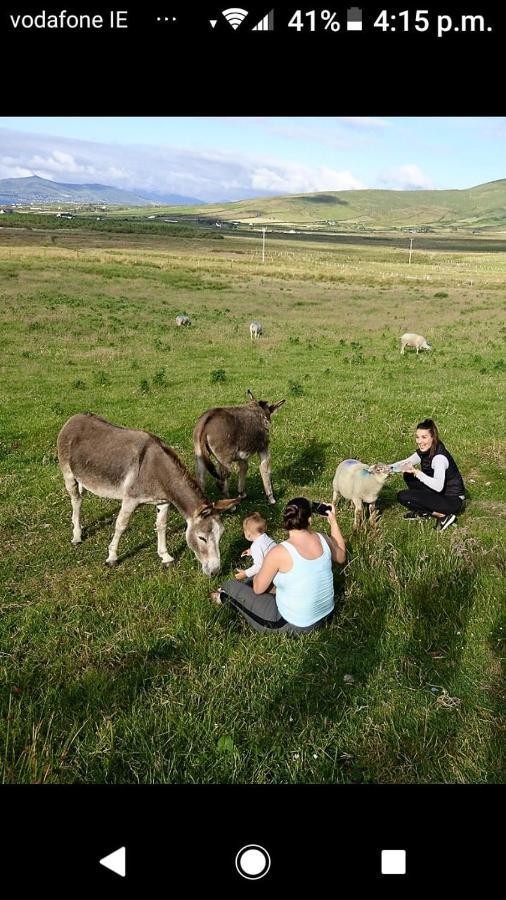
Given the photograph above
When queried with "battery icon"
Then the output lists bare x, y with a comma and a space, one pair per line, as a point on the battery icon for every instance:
354, 19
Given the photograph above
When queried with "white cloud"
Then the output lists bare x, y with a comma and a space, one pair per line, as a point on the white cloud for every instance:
60, 162
405, 178
208, 175
302, 180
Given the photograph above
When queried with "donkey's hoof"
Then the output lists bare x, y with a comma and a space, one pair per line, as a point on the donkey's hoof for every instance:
167, 565
242, 496
271, 500
76, 541
111, 563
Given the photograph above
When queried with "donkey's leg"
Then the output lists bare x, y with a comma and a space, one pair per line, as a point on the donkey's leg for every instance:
161, 530
75, 496
243, 468
127, 508
201, 471
373, 515
335, 496
265, 472
225, 470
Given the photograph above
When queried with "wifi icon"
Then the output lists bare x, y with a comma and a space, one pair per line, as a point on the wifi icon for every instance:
235, 16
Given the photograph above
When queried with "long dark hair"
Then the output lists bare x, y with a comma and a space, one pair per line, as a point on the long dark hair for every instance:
296, 514
430, 425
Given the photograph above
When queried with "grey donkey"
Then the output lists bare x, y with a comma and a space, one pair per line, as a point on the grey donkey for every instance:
233, 434
137, 467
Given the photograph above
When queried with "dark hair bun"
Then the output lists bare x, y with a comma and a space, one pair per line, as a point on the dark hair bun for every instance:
296, 514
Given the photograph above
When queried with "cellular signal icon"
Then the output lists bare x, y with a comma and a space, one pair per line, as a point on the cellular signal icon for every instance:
235, 16
265, 24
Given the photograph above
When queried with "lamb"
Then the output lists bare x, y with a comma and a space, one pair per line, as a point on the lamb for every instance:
361, 484
414, 340
255, 330
183, 320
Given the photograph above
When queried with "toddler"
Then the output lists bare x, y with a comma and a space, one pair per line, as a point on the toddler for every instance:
255, 528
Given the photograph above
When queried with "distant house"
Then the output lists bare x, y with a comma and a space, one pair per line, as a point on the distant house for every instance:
6, 209
64, 215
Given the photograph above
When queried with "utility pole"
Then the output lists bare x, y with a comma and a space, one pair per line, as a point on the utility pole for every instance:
410, 250
263, 244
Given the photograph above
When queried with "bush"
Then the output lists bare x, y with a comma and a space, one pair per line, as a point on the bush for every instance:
160, 379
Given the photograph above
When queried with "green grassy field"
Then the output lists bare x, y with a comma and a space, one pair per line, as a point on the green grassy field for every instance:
132, 675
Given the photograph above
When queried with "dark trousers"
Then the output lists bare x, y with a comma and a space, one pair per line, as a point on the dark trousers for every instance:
260, 610
420, 498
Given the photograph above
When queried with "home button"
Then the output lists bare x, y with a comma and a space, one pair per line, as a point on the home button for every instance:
252, 862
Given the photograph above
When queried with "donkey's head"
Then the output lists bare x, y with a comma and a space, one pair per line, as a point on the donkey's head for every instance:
203, 532
268, 409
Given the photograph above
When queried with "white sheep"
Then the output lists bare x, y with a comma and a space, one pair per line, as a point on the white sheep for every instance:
361, 484
255, 330
414, 340
183, 320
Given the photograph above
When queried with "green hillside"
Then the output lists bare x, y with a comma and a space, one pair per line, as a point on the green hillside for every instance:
481, 206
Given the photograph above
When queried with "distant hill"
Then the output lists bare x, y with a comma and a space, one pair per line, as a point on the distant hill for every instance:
480, 206
40, 190
163, 199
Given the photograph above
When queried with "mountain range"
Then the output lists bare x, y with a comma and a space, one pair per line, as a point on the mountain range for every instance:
482, 206
40, 190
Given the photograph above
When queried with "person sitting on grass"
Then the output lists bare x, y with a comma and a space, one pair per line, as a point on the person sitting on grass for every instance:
255, 530
293, 591
437, 488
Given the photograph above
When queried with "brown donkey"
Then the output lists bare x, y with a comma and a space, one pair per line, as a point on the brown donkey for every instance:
137, 467
233, 434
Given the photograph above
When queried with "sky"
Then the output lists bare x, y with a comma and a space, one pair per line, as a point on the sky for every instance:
221, 159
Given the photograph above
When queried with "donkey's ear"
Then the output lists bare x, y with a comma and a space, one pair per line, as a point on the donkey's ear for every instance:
203, 511
220, 505
274, 406
250, 395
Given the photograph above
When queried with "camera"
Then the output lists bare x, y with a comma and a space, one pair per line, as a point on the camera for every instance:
320, 509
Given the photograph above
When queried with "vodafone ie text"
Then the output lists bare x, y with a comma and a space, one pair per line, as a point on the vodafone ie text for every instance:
62, 20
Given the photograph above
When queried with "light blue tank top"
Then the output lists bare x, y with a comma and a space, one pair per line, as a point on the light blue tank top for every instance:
305, 594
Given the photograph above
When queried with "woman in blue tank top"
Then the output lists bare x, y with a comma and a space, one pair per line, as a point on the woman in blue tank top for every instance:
300, 569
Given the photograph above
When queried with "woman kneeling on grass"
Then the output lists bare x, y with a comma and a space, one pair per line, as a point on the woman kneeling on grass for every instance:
437, 488
300, 569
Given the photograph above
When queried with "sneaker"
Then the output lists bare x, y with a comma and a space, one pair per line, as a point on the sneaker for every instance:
414, 514
447, 520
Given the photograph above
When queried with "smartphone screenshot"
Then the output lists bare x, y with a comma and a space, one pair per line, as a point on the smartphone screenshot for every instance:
252, 448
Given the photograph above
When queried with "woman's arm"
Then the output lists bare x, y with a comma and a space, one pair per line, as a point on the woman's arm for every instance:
439, 467
270, 567
405, 465
335, 540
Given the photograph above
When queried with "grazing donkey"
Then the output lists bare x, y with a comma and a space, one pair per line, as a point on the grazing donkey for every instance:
137, 467
233, 434
255, 330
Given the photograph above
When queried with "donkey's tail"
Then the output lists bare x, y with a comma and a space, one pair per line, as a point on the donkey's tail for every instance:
202, 449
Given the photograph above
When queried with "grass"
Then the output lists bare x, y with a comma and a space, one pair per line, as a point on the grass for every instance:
132, 675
